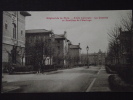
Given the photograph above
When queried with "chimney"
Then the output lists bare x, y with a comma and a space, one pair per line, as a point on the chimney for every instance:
79, 45
65, 34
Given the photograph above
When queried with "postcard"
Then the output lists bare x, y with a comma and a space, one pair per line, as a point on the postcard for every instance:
67, 51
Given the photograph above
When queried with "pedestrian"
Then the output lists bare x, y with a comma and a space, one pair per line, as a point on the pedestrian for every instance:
39, 67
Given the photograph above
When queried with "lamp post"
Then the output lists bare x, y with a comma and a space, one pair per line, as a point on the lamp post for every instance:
87, 48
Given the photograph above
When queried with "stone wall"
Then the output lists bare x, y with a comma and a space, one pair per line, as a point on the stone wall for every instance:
11, 19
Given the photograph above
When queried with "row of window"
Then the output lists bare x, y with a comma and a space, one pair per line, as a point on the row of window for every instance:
14, 30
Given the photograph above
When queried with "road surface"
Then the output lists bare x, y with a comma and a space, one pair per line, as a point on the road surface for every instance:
79, 79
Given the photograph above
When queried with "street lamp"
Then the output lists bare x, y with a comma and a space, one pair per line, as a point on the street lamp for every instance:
87, 48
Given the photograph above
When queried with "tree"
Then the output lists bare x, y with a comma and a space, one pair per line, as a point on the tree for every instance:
114, 47
127, 23
14, 53
119, 47
41, 50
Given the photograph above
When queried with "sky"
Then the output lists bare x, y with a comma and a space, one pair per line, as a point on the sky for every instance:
88, 33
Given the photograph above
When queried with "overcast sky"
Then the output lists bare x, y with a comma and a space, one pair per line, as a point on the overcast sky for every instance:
92, 33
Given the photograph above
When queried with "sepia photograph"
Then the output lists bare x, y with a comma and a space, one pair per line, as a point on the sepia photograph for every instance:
67, 51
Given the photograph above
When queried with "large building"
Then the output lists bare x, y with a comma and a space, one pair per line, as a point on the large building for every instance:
13, 41
125, 40
60, 49
97, 58
74, 54
39, 46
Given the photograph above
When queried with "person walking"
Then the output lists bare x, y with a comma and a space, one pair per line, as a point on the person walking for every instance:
39, 67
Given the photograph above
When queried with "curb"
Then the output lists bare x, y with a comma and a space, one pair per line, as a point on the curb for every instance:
8, 89
53, 72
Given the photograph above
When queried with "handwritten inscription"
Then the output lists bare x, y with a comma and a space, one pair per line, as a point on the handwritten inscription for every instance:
74, 19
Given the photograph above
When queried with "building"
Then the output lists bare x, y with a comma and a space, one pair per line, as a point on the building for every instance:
93, 59
60, 49
13, 41
39, 46
125, 41
84, 59
74, 54
97, 58
50, 49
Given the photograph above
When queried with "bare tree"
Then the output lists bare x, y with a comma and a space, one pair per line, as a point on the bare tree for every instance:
119, 46
127, 23
41, 50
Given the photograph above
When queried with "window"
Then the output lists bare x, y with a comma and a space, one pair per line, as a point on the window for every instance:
49, 35
6, 26
58, 41
21, 32
58, 47
14, 30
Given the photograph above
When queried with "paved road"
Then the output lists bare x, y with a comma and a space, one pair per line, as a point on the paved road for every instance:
80, 79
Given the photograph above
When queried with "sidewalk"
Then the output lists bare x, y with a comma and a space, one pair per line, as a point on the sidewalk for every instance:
100, 82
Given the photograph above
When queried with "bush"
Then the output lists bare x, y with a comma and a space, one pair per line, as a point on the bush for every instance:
117, 84
5, 69
125, 74
47, 67
20, 68
108, 70
80, 65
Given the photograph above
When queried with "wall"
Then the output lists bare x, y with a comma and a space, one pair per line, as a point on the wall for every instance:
8, 33
10, 17
74, 56
31, 39
59, 51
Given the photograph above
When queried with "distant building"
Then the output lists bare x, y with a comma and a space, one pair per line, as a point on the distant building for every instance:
74, 54
93, 58
84, 59
39, 46
60, 49
97, 58
13, 41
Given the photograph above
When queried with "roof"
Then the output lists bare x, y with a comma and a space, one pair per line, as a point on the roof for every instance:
74, 47
126, 32
38, 31
59, 36
25, 13
93, 54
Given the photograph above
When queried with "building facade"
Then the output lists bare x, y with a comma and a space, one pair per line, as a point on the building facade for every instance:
60, 49
39, 43
74, 54
97, 58
13, 41
125, 52
93, 59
